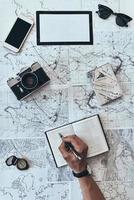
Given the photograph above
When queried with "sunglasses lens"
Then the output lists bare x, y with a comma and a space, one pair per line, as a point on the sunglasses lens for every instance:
104, 12
122, 20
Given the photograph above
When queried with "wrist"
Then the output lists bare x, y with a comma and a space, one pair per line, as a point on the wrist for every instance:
80, 168
82, 174
84, 169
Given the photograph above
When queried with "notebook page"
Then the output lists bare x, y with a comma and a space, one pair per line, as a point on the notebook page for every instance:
90, 131
55, 141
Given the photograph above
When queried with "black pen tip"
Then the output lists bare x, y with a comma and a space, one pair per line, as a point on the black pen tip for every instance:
60, 135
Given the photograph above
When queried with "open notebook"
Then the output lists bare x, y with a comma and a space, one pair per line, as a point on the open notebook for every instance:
89, 130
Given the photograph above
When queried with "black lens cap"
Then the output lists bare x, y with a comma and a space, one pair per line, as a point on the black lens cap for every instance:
12, 160
22, 164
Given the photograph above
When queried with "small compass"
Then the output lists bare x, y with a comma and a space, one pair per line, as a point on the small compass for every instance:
20, 163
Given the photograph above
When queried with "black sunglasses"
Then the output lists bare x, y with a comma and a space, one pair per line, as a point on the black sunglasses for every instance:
121, 19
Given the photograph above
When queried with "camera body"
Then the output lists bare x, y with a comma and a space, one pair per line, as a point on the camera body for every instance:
28, 81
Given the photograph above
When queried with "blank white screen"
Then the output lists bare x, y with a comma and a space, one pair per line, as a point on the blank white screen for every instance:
64, 28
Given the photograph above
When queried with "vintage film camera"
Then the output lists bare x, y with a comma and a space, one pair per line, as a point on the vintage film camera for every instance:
28, 80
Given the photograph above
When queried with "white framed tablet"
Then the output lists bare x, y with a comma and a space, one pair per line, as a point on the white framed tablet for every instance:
64, 28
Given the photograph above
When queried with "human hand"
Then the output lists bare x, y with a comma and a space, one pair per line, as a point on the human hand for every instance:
75, 164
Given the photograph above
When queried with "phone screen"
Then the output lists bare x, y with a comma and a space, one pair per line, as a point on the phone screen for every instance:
18, 33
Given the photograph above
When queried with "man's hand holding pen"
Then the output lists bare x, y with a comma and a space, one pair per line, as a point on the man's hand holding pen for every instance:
89, 188
76, 154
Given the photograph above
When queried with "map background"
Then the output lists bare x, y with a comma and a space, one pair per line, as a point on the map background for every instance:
68, 97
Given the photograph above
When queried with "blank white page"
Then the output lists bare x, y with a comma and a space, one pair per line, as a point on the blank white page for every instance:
55, 141
91, 132
64, 28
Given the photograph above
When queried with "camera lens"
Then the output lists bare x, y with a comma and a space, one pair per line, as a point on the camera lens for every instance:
29, 80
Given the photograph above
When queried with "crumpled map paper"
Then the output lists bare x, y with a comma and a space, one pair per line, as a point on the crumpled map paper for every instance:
105, 84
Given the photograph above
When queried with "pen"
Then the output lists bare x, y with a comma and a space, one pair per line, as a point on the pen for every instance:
71, 147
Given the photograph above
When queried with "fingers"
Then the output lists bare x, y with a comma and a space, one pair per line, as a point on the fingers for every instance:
68, 156
74, 163
78, 144
64, 151
73, 139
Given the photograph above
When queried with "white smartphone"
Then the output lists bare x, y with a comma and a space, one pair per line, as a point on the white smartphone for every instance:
18, 34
